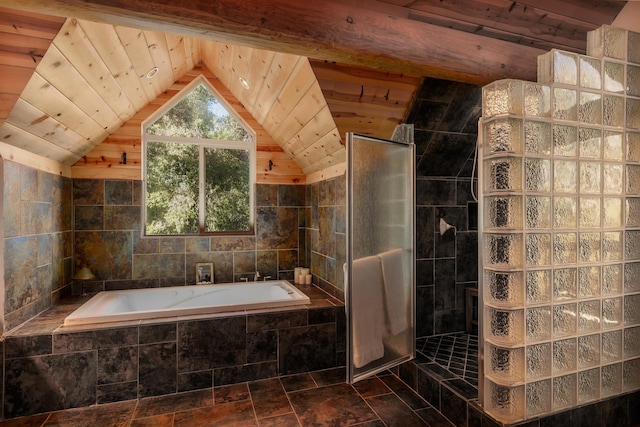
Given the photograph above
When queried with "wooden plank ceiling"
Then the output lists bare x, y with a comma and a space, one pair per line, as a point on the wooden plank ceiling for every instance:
305, 96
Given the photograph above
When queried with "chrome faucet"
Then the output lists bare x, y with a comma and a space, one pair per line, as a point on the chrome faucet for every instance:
256, 277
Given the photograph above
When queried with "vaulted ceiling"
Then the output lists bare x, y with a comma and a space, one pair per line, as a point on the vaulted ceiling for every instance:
315, 70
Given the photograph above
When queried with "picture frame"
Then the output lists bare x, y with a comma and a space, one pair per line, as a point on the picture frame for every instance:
204, 273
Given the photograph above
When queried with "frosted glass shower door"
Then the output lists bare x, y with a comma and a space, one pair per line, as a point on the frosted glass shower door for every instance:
380, 255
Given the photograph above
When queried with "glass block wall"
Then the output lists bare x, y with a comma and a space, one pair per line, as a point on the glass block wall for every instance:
560, 174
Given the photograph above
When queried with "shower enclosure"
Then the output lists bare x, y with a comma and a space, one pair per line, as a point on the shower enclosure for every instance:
559, 174
380, 255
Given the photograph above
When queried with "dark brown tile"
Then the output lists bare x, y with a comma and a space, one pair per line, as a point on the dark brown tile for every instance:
115, 414
408, 396
173, 403
433, 418
394, 412
32, 421
230, 414
371, 387
329, 376
298, 382
332, 405
287, 420
269, 398
230, 393
165, 420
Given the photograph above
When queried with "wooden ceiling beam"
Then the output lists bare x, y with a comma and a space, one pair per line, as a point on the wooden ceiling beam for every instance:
321, 29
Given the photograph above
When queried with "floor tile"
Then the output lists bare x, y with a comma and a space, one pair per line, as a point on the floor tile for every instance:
230, 393
269, 398
298, 382
434, 418
371, 387
30, 421
329, 376
287, 420
226, 415
165, 420
173, 403
113, 415
330, 406
394, 412
407, 395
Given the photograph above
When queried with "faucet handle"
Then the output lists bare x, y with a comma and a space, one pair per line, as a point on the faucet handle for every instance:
264, 278
244, 279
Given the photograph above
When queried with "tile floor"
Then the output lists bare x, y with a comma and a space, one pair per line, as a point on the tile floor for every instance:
457, 353
311, 399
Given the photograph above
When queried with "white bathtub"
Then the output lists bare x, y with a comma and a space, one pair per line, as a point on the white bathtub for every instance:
136, 304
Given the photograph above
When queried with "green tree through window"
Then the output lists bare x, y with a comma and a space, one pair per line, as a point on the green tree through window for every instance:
198, 167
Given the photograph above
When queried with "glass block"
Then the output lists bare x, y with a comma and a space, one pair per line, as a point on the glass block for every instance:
589, 316
611, 380
564, 391
590, 72
611, 212
612, 246
631, 375
613, 145
633, 179
612, 279
504, 249
537, 175
631, 342
503, 135
537, 137
505, 288
504, 403
538, 286
538, 212
632, 310
504, 326
613, 111
565, 284
558, 66
633, 80
633, 47
589, 282
564, 212
613, 178
503, 173
564, 320
589, 212
632, 119
632, 245
565, 104
538, 249
565, 176
589, 247
502, 97
607, 41
633, 146
564, 140
590, 141
588, 385
590, 177
613, 77
611, 346
632, 212
538, 324
590, 108
611, 313
565, 248
588, 351
538, 398
503, 212
539, 360
537, 100
505, 364
631, 274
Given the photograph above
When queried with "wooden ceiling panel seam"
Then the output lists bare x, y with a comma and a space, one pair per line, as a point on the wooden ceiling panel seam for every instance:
277, 76
25, 140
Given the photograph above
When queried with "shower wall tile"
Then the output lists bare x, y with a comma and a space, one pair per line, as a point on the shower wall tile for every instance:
118, 192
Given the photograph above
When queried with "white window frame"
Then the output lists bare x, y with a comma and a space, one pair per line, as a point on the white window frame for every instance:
202, 143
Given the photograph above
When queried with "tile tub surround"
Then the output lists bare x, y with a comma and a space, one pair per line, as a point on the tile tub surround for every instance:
49, 367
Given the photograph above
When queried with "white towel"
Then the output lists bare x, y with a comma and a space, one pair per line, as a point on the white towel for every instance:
394, 290
367, 311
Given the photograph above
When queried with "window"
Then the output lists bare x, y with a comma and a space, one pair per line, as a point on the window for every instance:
199, 166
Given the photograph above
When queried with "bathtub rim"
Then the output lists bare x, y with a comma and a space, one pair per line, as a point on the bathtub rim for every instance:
202, 312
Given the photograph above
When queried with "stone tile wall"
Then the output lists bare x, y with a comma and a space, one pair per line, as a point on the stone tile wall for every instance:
38, 241
445, 116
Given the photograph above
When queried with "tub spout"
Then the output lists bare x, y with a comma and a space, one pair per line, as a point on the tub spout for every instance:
265, 278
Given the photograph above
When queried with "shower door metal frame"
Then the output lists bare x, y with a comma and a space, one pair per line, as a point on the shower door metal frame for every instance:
351, 375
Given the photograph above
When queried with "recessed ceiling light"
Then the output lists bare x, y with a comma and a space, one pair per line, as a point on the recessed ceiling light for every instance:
244, 83
152, 73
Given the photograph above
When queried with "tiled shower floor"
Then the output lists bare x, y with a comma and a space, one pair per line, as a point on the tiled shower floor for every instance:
457, 353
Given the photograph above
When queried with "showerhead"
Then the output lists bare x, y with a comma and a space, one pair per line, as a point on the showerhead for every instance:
444, 227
